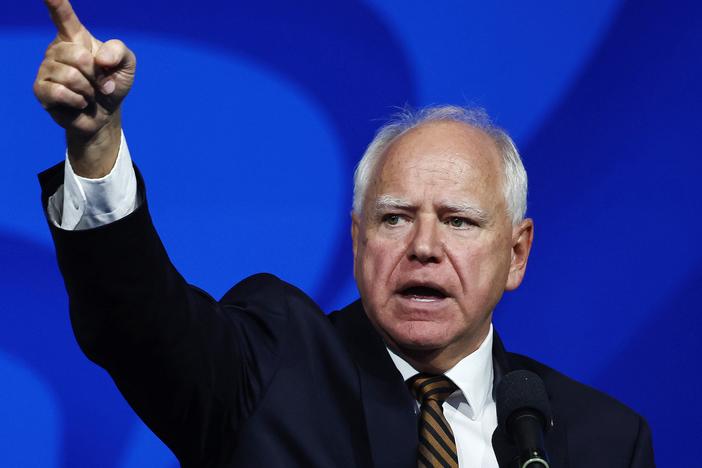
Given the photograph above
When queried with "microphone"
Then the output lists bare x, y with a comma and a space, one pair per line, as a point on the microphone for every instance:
524, 414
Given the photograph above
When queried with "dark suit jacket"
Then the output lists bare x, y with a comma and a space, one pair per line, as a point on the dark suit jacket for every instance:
264, 378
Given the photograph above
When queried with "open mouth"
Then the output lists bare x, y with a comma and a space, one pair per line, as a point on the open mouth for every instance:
423, 293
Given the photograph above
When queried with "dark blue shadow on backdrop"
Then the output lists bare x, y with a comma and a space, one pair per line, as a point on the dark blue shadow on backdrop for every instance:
621, 155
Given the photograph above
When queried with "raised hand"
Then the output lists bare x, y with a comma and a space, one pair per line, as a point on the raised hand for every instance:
81, 83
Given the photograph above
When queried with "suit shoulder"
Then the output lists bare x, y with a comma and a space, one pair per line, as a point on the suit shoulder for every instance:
267, 291
594, 424
577, 401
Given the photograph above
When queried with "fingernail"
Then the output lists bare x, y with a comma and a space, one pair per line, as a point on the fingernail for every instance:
108, 87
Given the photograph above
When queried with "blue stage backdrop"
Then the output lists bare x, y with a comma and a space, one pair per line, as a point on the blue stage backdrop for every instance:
247, 119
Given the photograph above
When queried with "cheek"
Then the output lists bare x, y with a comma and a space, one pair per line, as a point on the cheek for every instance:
482, 268
377, 261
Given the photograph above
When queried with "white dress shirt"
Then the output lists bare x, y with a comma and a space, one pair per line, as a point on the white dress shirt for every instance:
82, 203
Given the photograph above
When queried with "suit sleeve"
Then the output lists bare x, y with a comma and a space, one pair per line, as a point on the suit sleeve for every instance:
643, 450
191, 368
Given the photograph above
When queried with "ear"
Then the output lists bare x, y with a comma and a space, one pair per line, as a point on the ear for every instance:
522, 237
355, 230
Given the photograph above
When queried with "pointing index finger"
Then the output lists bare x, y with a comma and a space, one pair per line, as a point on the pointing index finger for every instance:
64, 18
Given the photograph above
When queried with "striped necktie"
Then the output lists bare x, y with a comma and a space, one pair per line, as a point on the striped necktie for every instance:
437, 447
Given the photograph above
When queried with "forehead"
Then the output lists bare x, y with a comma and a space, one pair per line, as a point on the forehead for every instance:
445, 158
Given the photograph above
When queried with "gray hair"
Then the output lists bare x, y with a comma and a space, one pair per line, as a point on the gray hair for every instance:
515, 177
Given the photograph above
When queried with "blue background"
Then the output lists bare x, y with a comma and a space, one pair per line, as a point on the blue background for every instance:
247, 119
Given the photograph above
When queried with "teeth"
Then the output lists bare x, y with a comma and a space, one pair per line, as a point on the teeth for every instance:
424, 299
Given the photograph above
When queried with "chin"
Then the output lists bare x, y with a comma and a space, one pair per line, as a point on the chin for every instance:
419, 335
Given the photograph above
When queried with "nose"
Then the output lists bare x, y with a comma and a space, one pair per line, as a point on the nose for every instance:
426, 245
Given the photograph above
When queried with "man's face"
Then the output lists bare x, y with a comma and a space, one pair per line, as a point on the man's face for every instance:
434, 248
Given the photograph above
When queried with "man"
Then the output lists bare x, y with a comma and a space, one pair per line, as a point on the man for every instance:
262, 377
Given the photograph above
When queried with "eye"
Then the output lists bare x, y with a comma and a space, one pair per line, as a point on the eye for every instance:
459, 223
393, 219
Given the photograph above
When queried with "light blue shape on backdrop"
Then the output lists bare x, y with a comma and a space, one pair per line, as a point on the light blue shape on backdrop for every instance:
469, 51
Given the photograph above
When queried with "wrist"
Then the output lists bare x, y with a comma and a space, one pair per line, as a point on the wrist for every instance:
94, 156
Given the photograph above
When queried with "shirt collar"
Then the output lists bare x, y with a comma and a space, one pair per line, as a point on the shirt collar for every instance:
473, 375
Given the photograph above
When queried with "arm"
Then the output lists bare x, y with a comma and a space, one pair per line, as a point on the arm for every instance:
183, 361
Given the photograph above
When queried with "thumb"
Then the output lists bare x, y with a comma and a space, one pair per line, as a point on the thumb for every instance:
113, 54
114, 58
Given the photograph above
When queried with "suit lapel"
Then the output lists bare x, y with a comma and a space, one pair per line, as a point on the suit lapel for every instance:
555, 440
389, 409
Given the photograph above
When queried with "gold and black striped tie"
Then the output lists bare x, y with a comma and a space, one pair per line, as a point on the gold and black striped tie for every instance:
437, 447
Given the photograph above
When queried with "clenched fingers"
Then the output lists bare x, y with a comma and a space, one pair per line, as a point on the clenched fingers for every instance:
53, 95
70, 77
73, 55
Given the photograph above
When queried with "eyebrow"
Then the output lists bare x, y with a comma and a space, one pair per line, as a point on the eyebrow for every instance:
466, 208
385, 202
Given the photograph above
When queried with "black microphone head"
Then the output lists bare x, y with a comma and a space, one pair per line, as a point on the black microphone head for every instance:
521, 390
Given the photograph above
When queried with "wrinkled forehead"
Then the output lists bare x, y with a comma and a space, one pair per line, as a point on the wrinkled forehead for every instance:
448, 159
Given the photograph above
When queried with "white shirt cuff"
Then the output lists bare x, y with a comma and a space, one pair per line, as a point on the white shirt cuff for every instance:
82, 203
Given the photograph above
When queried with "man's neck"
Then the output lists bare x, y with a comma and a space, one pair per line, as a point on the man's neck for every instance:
438, 361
